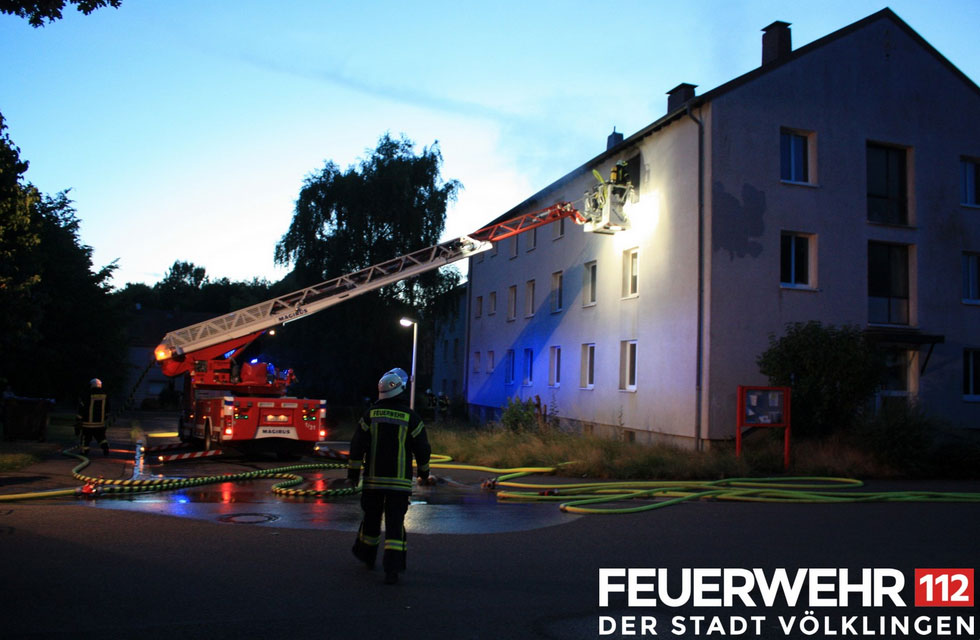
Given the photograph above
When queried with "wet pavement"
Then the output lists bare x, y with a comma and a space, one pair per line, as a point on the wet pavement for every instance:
457, 505
449, 508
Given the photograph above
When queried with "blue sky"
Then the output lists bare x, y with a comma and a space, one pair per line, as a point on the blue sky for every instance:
184, 129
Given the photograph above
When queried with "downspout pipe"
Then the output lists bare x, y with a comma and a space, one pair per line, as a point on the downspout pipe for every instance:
699, 378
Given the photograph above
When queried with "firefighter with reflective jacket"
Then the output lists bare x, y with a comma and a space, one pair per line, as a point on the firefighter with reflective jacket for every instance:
388, 436
93, 409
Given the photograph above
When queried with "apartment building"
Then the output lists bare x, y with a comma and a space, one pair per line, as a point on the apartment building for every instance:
837, 182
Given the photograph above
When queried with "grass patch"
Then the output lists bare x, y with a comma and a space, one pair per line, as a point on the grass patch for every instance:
592, 457
16, 461
587, 457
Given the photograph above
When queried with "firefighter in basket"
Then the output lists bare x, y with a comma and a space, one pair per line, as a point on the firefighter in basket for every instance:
388, 436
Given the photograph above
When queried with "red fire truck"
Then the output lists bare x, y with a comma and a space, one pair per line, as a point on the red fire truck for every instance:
244, 403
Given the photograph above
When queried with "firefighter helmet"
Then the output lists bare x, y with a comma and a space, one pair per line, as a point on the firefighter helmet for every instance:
392, 383
95, 383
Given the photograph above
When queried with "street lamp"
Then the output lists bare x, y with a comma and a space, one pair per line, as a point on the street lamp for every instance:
407, 322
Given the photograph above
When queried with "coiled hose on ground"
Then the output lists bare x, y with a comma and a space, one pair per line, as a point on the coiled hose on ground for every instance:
578, 498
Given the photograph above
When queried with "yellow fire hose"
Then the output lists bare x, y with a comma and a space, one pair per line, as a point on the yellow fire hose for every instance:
578, 498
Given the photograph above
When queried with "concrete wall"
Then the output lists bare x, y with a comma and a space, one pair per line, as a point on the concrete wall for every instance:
661, 318
875, 84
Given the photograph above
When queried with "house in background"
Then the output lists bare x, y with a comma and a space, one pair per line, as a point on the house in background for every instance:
449, 341
838, 183
145, 381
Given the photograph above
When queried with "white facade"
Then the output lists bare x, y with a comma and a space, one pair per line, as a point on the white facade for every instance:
763, 186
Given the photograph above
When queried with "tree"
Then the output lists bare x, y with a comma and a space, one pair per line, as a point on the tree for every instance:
181, 287
39, 11
390, 204
19, 240
76, 329
833, 372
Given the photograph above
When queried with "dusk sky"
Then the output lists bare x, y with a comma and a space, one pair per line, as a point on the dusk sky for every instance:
184, 129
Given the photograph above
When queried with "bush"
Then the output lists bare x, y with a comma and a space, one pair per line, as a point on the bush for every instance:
519, 415
833, 372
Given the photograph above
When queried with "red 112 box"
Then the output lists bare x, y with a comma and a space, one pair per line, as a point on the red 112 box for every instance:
944, 587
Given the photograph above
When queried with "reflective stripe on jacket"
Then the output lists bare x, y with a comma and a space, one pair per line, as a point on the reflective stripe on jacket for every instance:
388, 437
94, 409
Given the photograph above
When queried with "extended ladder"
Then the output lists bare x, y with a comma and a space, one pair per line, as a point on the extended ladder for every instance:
246, 324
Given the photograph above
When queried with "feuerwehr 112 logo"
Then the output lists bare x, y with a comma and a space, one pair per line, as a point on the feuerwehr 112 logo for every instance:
806, 599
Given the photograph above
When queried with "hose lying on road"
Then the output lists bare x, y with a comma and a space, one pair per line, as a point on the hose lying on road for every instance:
108, 487
578, 498
583, 498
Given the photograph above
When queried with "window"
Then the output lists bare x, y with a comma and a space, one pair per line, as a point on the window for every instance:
590, 284
554, 367
627, 365
492, 303
558, 228
971, 374
557, 291
888, 283
532, 238
796, 256
513, 246
509, 367
970, 170
587, 374
631, 267
478, 309
529, 299
511, 302
528, 367
887, 188
794, 156
476, 362
971, 277
896, 388
490, 362
897, 367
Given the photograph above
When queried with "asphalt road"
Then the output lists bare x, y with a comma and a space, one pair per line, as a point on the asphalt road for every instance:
73, 569
145, 569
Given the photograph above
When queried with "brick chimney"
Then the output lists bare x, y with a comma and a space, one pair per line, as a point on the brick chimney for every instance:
680, 94
777, 42
614, 138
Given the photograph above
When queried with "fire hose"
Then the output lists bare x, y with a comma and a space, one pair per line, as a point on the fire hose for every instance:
576, 498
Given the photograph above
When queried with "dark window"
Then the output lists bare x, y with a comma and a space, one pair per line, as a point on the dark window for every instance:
971, 372
887, 185
794, 267
971, 276
633, 172
793, 155
888, 283
896, 371
971, 182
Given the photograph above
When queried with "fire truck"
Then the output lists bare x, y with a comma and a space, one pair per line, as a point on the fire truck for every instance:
228, 402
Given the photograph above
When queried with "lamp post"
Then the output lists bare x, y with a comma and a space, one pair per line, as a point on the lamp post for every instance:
406, 322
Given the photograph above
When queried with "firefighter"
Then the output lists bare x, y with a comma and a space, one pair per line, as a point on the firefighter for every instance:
443, 406
388, 436
91, 419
